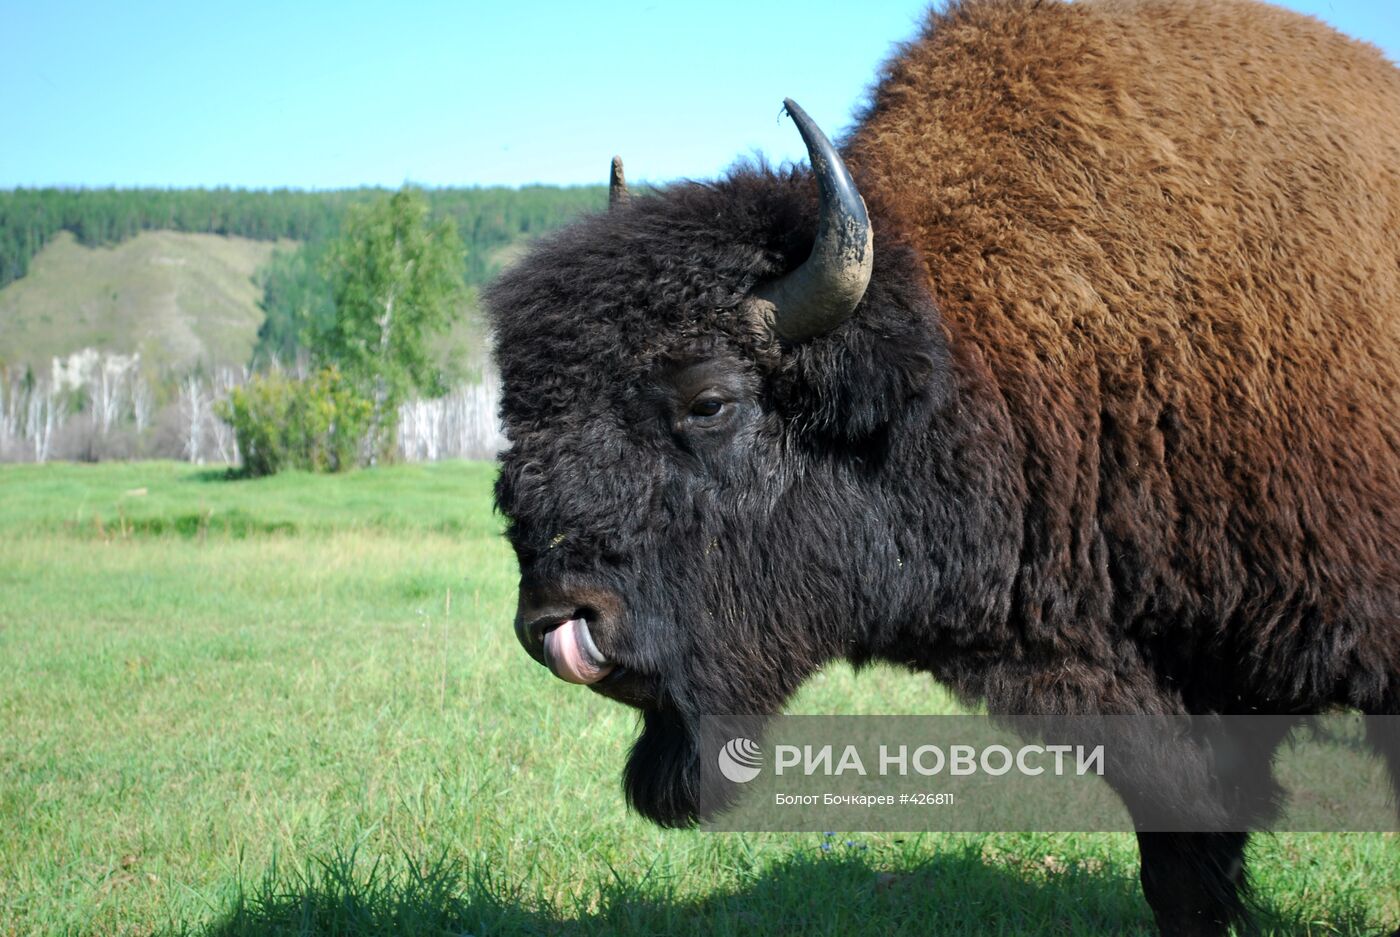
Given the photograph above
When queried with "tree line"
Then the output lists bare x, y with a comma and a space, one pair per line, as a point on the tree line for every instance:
486, 218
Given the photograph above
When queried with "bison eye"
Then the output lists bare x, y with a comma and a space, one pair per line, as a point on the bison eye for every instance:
706, 407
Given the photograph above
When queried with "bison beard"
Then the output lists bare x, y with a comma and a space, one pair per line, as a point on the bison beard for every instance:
662, 779
1114, 426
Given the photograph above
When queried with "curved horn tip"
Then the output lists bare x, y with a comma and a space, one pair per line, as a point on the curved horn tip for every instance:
824, 291
617, 184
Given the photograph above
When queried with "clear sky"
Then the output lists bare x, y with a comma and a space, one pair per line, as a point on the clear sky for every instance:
330, 94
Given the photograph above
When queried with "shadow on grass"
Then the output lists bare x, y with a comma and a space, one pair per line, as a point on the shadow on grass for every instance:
233, 523
226, 474
954, 893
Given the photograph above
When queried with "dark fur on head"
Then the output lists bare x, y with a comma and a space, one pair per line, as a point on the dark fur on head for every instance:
600, 489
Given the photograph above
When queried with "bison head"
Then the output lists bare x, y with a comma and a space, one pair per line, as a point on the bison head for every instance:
706, 391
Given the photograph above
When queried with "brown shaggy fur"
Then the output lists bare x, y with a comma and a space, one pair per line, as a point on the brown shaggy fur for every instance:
1177, 264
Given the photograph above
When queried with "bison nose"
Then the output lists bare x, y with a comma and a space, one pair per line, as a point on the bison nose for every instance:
532, 626
544, 608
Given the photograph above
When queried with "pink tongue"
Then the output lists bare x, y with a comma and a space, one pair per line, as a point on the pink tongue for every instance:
563, 648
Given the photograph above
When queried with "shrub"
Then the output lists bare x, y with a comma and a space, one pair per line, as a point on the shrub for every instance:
317, 423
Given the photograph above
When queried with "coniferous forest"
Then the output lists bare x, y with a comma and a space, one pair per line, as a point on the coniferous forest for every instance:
486, 218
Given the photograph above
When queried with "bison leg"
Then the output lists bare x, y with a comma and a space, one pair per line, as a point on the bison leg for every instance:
1196, 882
1193, 881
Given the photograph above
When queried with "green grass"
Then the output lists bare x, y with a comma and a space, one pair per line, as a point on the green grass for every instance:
131, 499
304, 712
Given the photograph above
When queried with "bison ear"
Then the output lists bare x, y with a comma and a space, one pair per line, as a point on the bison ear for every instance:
855, 381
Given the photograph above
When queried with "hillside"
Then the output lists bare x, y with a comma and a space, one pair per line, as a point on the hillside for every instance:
178, 299
170, 272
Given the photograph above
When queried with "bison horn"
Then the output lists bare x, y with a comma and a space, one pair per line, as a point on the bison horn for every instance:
617, 184
824, 291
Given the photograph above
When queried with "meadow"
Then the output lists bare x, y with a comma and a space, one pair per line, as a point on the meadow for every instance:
296, 706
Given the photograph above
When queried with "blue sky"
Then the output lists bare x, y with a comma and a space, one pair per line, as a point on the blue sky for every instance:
324, 95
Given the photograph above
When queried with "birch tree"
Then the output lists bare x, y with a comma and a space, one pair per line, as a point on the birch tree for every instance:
225, 442
194, 413
141, 402
48, 407
397, 280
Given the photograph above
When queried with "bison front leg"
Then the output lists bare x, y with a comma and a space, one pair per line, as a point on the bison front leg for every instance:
1194, 787
1194, 882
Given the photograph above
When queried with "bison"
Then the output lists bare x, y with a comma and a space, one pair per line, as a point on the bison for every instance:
1071, 378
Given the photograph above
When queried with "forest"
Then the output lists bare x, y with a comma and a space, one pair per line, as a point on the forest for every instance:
486, 218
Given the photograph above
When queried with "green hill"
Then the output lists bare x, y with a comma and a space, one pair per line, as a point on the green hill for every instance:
178, 299
170, 272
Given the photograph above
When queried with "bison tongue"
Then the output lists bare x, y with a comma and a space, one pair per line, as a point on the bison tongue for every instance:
571, 655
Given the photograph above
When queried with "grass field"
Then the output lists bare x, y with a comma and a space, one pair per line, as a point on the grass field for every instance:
296, 706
